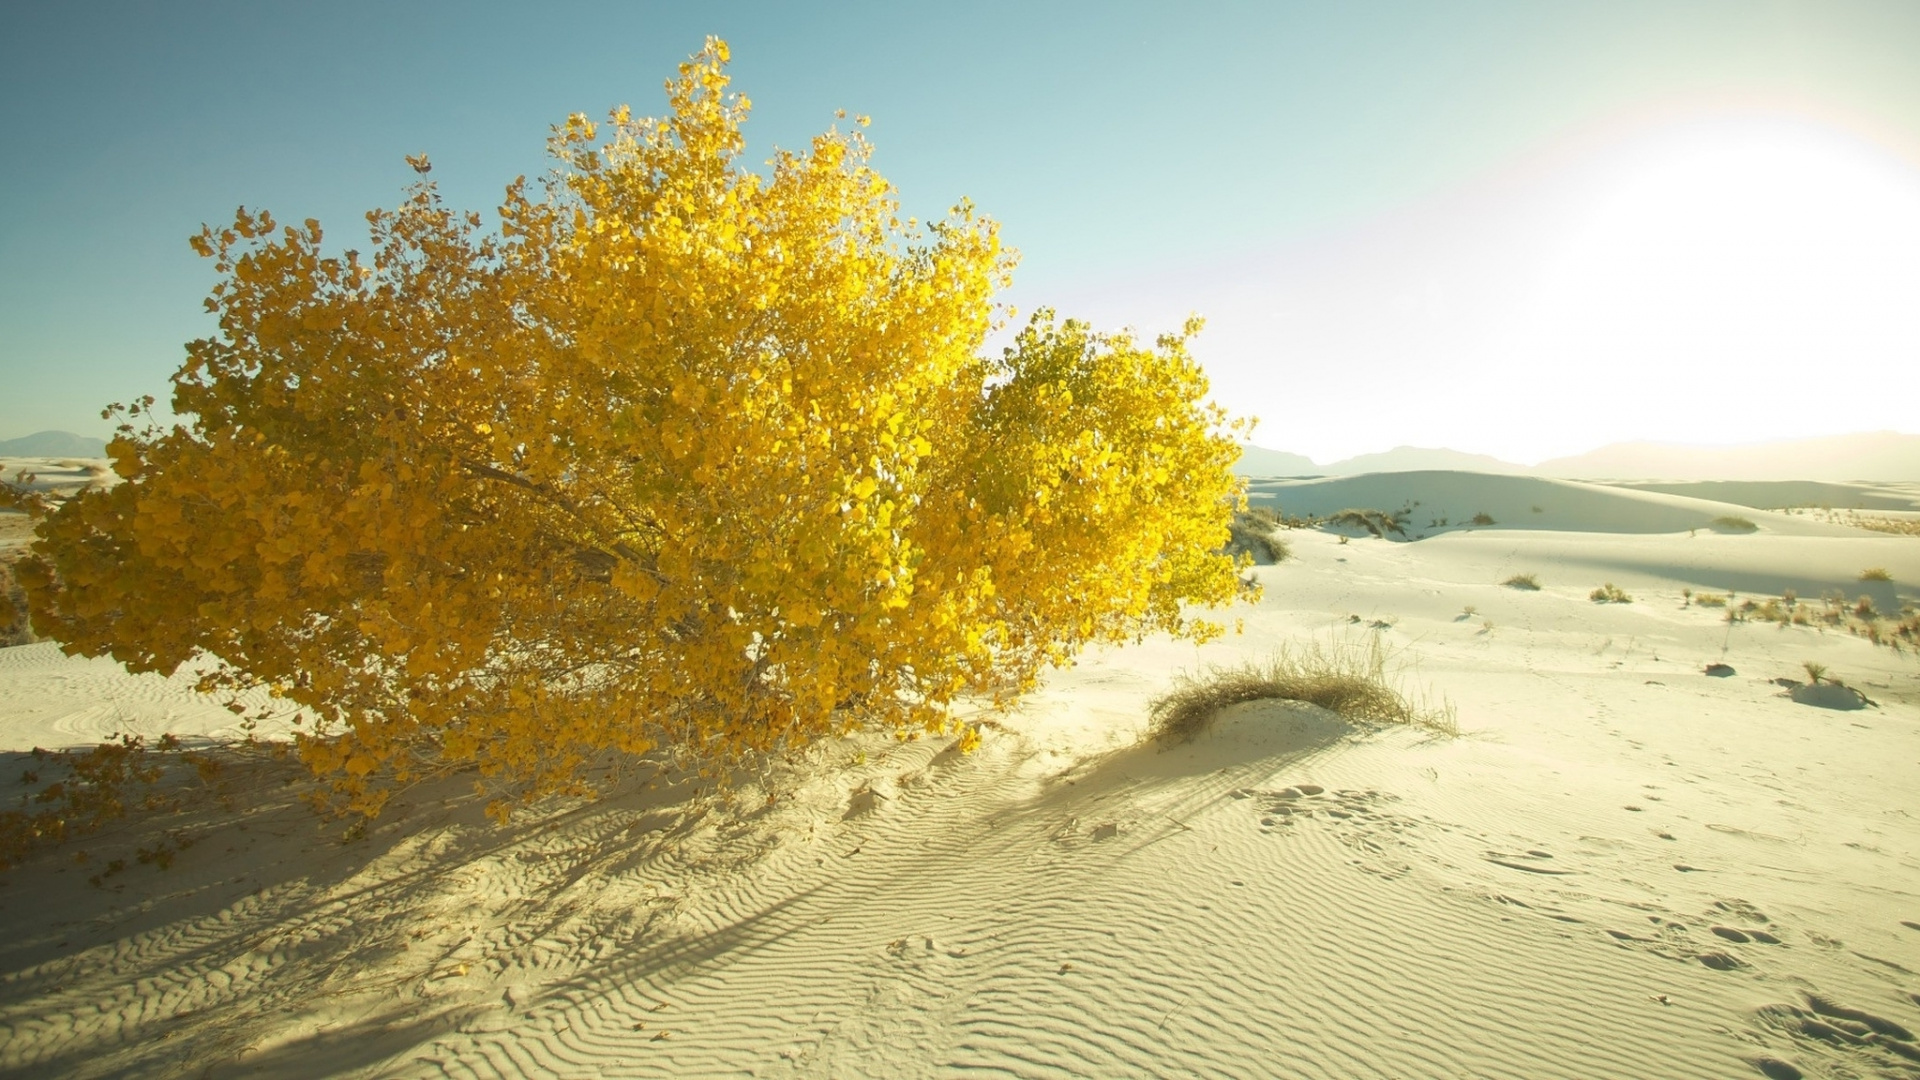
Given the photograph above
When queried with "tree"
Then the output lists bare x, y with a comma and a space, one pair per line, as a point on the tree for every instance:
680, 454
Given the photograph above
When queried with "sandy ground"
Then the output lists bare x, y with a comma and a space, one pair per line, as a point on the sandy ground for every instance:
1624, 867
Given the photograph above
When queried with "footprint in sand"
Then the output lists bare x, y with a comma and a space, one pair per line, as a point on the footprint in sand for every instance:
1861, 1037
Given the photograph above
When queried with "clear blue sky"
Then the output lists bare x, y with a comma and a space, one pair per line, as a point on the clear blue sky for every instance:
1117, 142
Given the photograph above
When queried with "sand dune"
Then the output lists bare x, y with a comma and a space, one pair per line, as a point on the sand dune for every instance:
1623, 867
1520, 502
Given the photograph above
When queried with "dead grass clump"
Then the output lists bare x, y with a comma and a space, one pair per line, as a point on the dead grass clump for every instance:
1732, 523
1254, 532
1875, 573
1483, 518
1858, 617
1346, 677
1377, 523
1896, 526
1610, 594
1528, 582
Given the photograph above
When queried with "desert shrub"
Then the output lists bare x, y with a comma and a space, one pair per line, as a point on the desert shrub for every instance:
1875, 573
1610, 594
1255, 535
1732, 523
1483, 518
683, 455
1527, 582
1816, 671
1896, 526
1376, 523
1264, 515
14, 626
1707, 599
1348, 677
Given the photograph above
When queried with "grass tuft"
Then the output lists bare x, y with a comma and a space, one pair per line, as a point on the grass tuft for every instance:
1875, 573
1528, 582
1610, 594
1732, 523
1483, 518
1377, 523
1346, 677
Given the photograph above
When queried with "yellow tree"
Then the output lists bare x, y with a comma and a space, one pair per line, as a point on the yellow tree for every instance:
679, 454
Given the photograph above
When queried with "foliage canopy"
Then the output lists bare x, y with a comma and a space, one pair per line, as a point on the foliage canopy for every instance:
681, 454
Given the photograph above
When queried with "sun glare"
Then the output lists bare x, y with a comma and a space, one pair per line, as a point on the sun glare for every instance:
1728, 272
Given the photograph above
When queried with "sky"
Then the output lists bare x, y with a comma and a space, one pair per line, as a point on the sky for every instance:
1518, 228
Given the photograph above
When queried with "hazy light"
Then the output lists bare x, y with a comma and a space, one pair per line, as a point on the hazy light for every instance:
1723, 279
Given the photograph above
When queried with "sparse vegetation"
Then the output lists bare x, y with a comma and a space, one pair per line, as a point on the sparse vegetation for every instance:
1526, 582
1255, 532
1734, 524
1377, 523
1858, 618
1896, 526
1815, 671
1483, 518
1610, 594
1347, 677
1875, 573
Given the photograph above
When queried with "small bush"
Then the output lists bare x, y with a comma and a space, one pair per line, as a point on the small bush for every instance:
1731, 523
1253, 532
1610, 594
1875, 573
1528, 582
1707, 599
1347, 677
1815, 671
1483, 518
1375, 522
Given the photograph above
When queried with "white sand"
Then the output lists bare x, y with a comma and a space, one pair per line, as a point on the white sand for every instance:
1532, 899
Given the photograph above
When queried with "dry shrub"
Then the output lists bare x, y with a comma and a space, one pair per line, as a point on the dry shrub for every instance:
1348, 677
1377, 523
1707, 599
1254, 532
1896, 526
1483, 518
1732, 523
1528, 582
1610, 594
1875, 573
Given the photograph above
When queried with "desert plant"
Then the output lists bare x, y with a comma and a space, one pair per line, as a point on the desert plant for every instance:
1816, 671
1256, 534
682, 455
1526, 582
1732, 523
1610, 594
1377, 523
1483, 518
1346, 676
1875, 573
1707, 599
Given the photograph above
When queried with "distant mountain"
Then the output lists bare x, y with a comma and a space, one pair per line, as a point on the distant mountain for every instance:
1260, 461
1420, 459
53, 444
1879, 455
